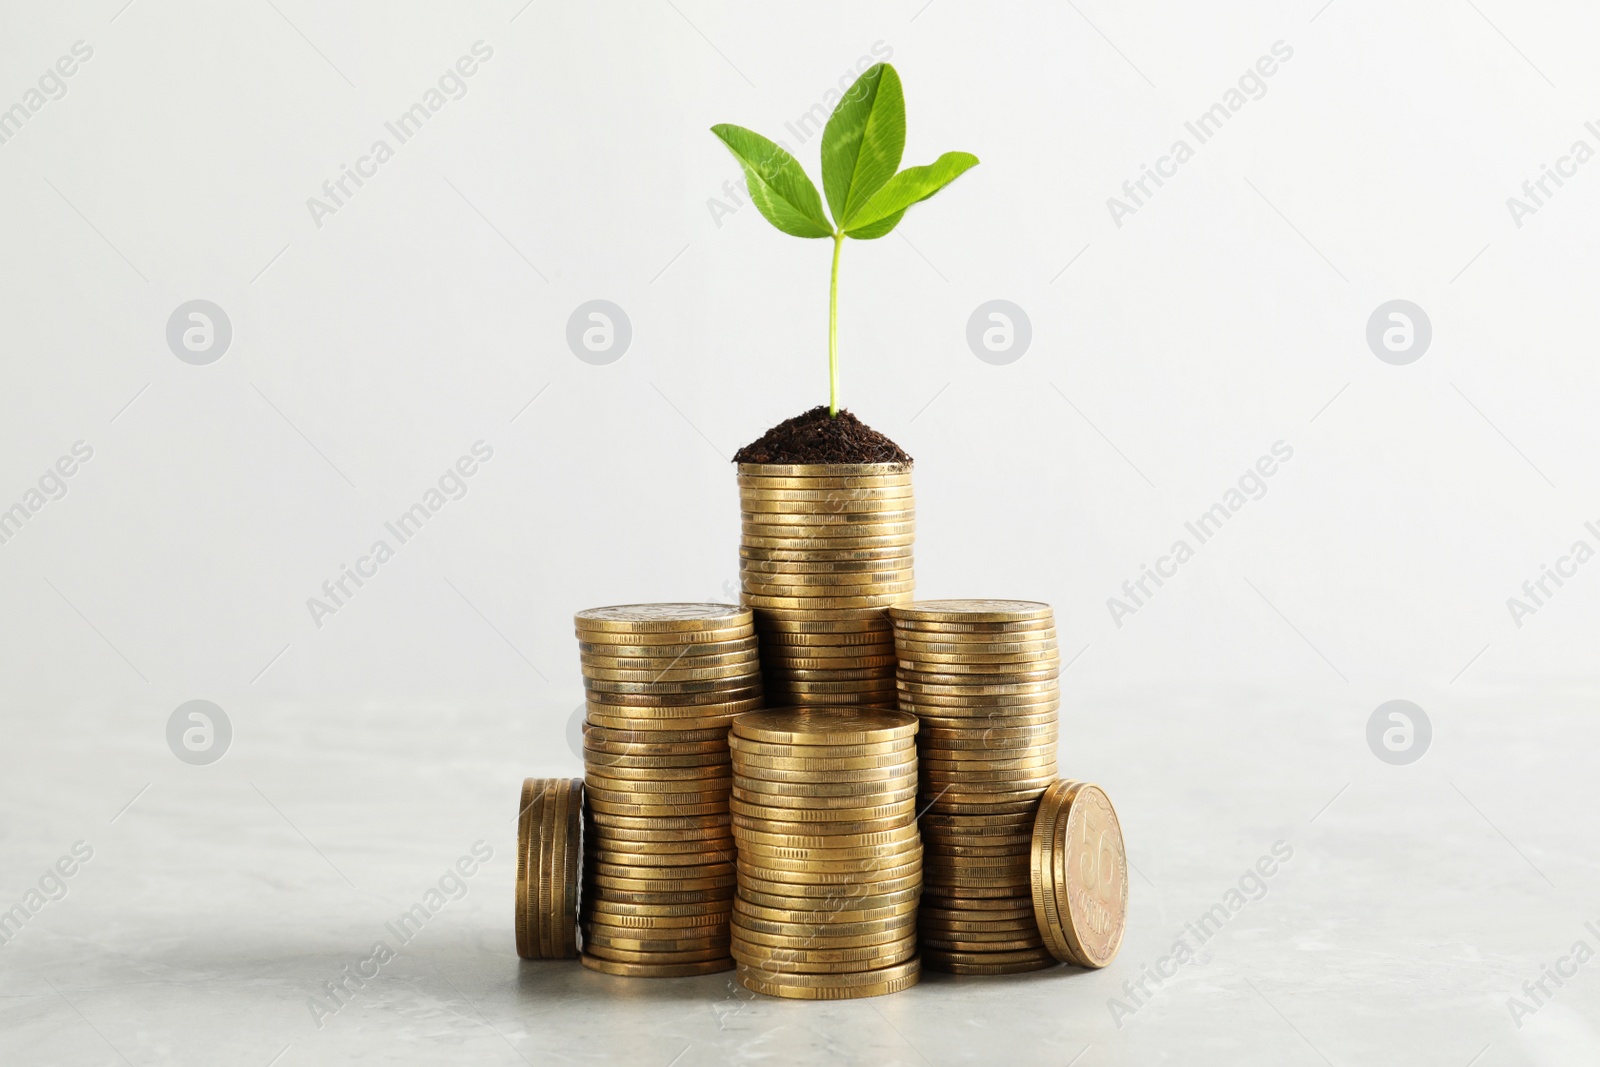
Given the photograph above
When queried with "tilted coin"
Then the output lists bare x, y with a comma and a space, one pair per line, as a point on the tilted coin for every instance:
1088, 883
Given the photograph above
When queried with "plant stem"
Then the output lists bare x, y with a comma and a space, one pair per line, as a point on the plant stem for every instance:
833, 329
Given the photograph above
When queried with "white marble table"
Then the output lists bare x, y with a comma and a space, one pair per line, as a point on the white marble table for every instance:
1416, 902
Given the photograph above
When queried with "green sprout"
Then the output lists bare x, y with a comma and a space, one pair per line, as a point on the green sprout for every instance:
861, 149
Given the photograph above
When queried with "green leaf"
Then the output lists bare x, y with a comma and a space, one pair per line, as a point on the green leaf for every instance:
910, 186
873, 230
863, 141
778, 184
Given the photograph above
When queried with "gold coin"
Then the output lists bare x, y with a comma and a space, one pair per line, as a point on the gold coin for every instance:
781, 802
827, 889
865, 624
622, 955
975, 611
822, 938
611, 772
789, 932
658, 618
700, 690
995, 631
824, 840
836, 872
657, 970
801, 665
969, 925
892, 776
992, 968
882, 578
828, 547
949, 893
824, 470
649, 885
823, 482
657, 825
784, 793
665, 807
666, 923
660, 651
847, 899
662, 727
687, 868
823, 726
1029, 955
1088, 887
780, 554
872, 983
694, 896
601, 640
888, 518
822, 766
612, 909
827, 497
883, 810
878, 676
823, 594
803, 567
823, 961
630, 745
659, 860
603, 759
747, 666
912, 644
872, 511
803, 827
669, 705
796, 915
821, 603
903, 746
599, 938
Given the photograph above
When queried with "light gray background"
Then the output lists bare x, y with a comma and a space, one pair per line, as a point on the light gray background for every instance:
1168, 353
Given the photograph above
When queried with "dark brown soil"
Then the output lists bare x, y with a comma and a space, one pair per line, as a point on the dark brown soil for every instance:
817, 437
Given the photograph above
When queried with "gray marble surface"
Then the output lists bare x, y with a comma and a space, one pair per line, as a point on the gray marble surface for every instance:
216, 904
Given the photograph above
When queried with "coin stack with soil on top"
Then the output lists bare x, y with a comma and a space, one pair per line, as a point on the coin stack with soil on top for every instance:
829, 858
982, 678
663, 683
825, 547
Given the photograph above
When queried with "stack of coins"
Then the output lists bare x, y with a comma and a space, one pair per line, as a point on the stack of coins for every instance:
830, 864
981, 676
663, 681
825, 548
549, 847
1080, 874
